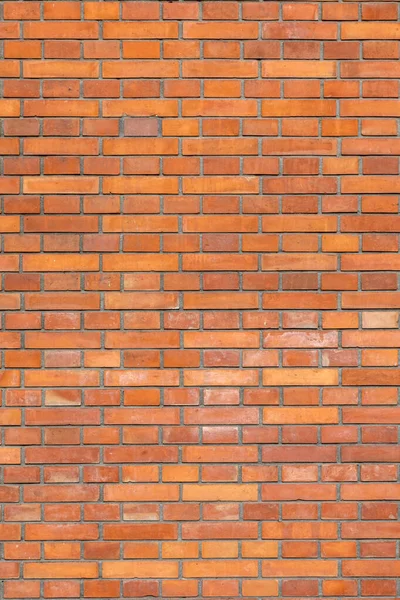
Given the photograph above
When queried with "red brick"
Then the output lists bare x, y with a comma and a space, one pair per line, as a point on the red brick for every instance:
191, 235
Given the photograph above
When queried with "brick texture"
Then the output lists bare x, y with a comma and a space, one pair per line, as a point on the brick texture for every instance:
200, 301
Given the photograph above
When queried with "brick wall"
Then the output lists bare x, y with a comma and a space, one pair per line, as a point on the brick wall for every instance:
200, 299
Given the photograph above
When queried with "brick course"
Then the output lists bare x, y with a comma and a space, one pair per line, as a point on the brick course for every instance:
200, 301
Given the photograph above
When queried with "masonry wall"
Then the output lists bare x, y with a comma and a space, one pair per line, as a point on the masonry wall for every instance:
199, 299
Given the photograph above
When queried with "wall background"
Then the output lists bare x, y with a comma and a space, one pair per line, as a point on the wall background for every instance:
200, 299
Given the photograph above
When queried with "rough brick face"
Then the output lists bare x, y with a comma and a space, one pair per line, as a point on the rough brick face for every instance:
200, 304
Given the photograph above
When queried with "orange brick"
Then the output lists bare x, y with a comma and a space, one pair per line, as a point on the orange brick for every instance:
194, 230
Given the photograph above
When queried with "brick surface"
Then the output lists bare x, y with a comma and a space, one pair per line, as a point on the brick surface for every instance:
199, 344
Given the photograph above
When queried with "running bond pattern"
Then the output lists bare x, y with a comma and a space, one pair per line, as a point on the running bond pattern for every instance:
200, 300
